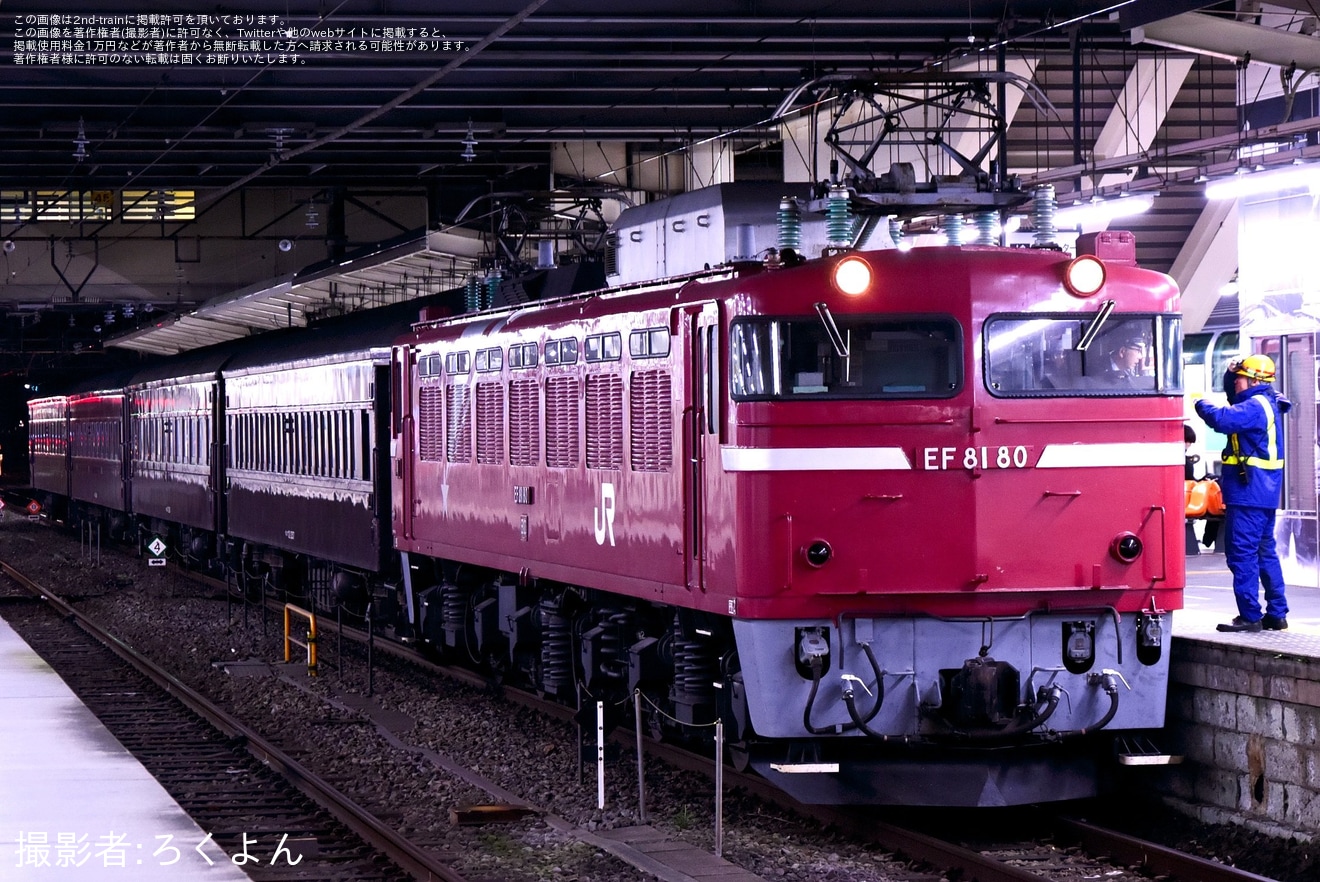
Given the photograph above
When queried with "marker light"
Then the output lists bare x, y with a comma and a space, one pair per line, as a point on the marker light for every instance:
1084, 276
1125, 547
818, 553
852, 276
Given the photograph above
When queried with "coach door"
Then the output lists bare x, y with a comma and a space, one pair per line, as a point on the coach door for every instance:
402, 426
1296, 527
700, 429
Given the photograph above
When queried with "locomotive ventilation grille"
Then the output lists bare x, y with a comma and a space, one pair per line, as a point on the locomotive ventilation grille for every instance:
651, 427
524, 422
561, 422
604, 421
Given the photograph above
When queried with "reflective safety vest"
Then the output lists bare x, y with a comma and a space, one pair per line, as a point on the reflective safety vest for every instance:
1271, 459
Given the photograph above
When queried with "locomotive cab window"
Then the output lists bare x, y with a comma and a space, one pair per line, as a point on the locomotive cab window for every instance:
845, 356
1064, 355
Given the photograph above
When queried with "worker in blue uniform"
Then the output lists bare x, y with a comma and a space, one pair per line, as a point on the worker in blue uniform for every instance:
1251, 480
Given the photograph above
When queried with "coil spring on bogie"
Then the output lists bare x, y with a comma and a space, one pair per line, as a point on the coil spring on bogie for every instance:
614, 644
556, 650
695, 669
453, 606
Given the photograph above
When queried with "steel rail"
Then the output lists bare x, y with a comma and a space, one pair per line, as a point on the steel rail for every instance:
1158, 860
407, 855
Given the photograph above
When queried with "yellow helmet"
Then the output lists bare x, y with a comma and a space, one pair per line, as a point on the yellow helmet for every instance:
1256, 367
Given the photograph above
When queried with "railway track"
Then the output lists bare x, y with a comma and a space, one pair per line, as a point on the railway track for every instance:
223, 773
1140, 857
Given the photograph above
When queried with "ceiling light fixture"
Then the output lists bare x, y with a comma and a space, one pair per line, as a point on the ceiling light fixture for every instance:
469, 142
80, 143
1305, 177
1101, 214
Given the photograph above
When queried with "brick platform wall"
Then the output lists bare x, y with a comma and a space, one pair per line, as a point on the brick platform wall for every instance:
1247, 722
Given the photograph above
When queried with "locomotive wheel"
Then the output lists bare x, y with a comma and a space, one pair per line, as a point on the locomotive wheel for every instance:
654, 723
740, 755
497, 668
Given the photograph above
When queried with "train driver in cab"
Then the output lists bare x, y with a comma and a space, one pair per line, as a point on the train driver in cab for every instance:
1125, 367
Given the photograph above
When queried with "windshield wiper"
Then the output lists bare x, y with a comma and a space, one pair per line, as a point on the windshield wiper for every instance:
1088, 336
832, 330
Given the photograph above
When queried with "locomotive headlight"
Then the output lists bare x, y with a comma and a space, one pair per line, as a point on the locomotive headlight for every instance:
852, 276
1084, 276
1125, 547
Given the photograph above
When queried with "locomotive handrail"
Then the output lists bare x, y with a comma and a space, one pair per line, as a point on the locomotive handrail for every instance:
680, 280
1164, 543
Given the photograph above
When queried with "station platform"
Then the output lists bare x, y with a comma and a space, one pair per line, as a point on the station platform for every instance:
1209, 601
1244, 709
74, 804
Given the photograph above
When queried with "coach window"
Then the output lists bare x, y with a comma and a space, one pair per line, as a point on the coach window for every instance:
308, 437
346, 442
1066, 355
365, 448
268, 442
845, 356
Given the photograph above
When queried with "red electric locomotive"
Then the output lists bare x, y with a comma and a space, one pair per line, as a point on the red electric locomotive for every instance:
908, 520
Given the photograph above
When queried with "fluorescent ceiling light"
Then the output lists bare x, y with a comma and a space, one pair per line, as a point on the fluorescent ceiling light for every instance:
1261, 183
1093, 214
